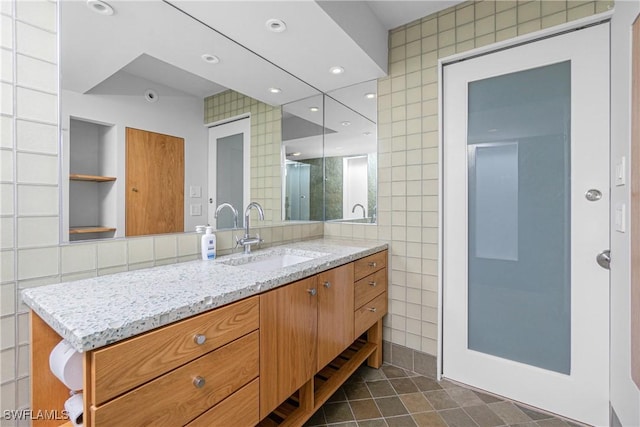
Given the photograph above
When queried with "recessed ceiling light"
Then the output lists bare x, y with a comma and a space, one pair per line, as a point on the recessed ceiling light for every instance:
100, 7
336, 70
211, 59
275, 90
151, 95
296, 154
276, 25
370, 95
345, 123
314, 109
366, 133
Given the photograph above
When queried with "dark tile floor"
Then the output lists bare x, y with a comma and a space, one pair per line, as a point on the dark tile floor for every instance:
393, 397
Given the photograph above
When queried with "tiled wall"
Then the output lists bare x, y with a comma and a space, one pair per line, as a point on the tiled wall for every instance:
266, 139
408, 149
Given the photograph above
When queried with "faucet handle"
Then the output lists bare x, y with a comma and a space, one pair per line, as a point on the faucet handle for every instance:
237, 241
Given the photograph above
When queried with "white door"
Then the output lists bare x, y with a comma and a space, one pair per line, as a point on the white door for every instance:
355, 187
229, 171
525, 305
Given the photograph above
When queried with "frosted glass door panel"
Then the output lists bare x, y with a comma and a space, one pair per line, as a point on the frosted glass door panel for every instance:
519, 217
229, 184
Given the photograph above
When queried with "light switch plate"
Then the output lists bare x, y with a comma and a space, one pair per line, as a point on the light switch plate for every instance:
621, 170
195, 209
621, 218
195, 191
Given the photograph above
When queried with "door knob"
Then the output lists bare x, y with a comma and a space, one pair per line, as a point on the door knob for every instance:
593, 195
604, 259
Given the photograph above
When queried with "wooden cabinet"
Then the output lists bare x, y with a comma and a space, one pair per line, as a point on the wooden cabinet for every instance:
288, 326
335, 314
279, 355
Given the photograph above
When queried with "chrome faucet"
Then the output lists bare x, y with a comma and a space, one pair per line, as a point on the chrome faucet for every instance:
247, 240
233, 210
364, 212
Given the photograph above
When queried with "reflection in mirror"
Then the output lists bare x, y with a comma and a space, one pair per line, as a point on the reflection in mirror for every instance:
129, 70
331, 156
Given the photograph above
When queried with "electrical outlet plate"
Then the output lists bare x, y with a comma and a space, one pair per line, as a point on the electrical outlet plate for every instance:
195, 191
195, 209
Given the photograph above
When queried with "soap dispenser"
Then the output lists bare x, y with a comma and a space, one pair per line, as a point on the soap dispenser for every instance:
208, 244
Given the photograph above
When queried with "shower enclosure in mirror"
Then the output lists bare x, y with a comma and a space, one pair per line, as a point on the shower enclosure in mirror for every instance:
330, 156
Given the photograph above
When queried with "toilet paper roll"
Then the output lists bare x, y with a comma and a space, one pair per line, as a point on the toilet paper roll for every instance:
66, 364
74, 407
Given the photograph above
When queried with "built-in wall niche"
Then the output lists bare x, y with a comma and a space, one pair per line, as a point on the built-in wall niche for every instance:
92, 174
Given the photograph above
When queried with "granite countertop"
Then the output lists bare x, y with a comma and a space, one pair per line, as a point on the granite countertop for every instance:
95, 312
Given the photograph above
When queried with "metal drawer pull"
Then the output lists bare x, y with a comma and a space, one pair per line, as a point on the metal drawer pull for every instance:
373, 264
327, 285
198, 382
312, 291
373, 283
372, 309
199, 339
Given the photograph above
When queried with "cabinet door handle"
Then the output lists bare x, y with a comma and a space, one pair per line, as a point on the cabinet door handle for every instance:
312, 291
373, 283
372, 309
199, 339
373, 264
198, 382
327, 285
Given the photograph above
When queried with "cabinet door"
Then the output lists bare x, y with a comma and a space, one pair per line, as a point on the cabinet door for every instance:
288, 326
335, 313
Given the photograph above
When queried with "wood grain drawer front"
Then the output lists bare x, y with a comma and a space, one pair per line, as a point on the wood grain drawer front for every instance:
128, 364
367, 265
370, 313
183, 394
238, 410
370, 287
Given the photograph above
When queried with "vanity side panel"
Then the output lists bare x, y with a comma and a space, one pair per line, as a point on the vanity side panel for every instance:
48, 394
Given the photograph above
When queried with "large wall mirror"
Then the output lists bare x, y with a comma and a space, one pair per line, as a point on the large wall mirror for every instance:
154, 75
330, 149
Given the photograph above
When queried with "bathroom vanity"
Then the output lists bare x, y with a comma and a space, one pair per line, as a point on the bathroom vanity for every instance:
234, 341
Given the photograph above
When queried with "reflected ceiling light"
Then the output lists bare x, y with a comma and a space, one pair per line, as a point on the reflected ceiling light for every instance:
275, 90
276, 25
314, 109
345, 123
336, 70
370, 95
366, 133
296, 154
492, 130
211, 59
100, 7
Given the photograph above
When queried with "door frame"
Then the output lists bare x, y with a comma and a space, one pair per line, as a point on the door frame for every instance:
494, 47
220, 129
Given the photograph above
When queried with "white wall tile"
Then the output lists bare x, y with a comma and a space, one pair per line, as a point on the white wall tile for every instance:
7, 365
7, 302
140, 250
37, 137
38, 231
6, 34
6, 233
6, 104
37, 74
78, 276
78, 257
112, 254
39, 262
188, 244
8, 395
36, 42
37, 168
37, 200
7, 269
6, 165
6, 132
6, 65
23, 360
165, 247
8, 332
41, 13
34, 105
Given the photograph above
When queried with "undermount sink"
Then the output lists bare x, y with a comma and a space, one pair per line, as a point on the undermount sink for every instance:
274, 259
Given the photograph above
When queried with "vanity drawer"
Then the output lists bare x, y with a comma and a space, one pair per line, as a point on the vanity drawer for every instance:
128, 364
370, 313
367, 265
175, 399
370, 287
241, 409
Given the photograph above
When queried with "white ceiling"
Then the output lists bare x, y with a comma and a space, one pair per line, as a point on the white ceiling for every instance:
152, 40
